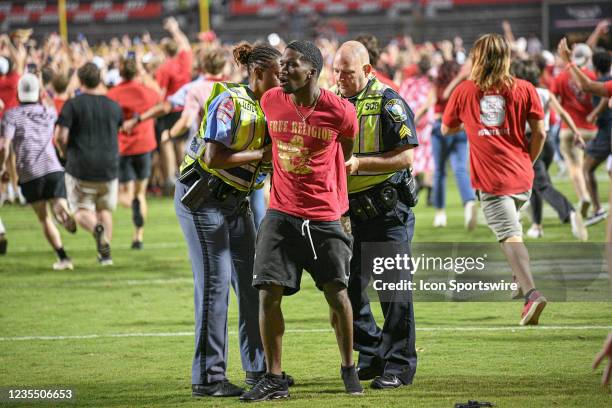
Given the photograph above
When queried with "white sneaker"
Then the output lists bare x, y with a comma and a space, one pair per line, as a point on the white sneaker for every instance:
439, 220
578, 228
63, 264
535, 232
470, 214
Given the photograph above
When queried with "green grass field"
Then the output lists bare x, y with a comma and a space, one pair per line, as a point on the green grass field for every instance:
121, 336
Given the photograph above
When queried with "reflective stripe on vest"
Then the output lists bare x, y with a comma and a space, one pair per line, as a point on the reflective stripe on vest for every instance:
369, 108
248, 133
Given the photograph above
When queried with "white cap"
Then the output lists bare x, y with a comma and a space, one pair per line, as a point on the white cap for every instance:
581, 54
99, 61
28, 88
4, 66
112, 77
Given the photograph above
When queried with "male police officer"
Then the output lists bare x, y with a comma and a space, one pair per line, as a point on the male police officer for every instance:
379, 212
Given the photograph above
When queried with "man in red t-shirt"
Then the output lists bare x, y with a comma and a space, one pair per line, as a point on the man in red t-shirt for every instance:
135, 147
313, 133
171, 76
495, 107
578, 104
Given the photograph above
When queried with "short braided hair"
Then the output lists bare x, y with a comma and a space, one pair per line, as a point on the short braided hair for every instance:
251, 55
310, 53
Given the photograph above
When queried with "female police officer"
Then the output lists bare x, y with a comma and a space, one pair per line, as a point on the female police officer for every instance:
221, 167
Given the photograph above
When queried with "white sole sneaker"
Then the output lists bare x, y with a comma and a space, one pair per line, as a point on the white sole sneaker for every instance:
63, 264
439, 221
535, 233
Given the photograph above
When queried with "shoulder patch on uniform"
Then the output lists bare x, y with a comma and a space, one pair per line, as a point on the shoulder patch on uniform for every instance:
396, 110
404, 131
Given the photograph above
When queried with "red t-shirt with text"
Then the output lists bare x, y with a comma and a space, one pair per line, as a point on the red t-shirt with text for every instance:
309, 178
134, 97
495, 124
578, 104
8, 90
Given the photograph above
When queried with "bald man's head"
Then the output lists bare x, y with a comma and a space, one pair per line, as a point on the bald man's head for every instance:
356, 51
351, 68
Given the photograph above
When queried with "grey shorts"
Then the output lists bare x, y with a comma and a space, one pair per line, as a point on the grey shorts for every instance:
91, 195
502, 213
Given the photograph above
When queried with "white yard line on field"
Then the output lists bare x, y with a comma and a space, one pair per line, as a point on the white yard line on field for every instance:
423, 329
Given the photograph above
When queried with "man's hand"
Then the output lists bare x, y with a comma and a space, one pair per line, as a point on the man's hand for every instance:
606, 351
165, 136
352, 165
579, 140
267, 153
129, 125
171, 25
564, 51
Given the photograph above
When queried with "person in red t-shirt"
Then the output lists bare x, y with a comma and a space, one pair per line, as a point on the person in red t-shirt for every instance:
171, 76
313, 133
495, 107
578, 104
135, 147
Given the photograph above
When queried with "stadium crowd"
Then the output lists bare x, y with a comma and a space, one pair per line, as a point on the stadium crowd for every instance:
85, 127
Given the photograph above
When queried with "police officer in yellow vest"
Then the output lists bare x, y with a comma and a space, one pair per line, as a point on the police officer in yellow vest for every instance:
380, 200
222, 166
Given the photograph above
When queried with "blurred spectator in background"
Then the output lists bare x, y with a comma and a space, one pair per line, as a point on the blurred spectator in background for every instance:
135, 147
419, 92
371, 43
171, 76
598, 149
543, 188
88, 128
450, 147
578, 104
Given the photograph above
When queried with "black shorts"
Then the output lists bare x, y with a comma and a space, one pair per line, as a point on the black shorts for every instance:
600, 147
284, 250
136, 167
165, 123
49, 186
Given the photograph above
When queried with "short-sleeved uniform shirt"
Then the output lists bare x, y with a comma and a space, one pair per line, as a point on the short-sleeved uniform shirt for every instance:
92, 153
134, 97
309, 178
495, 121
396, 122
30, 128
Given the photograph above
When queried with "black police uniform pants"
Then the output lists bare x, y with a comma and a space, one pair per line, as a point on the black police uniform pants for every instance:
393, 346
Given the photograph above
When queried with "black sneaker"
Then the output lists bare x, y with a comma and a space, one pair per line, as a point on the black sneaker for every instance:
351, 380
104, 249
252, 377
137, 217
137, 245
218, 389
386, 381
268, 387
